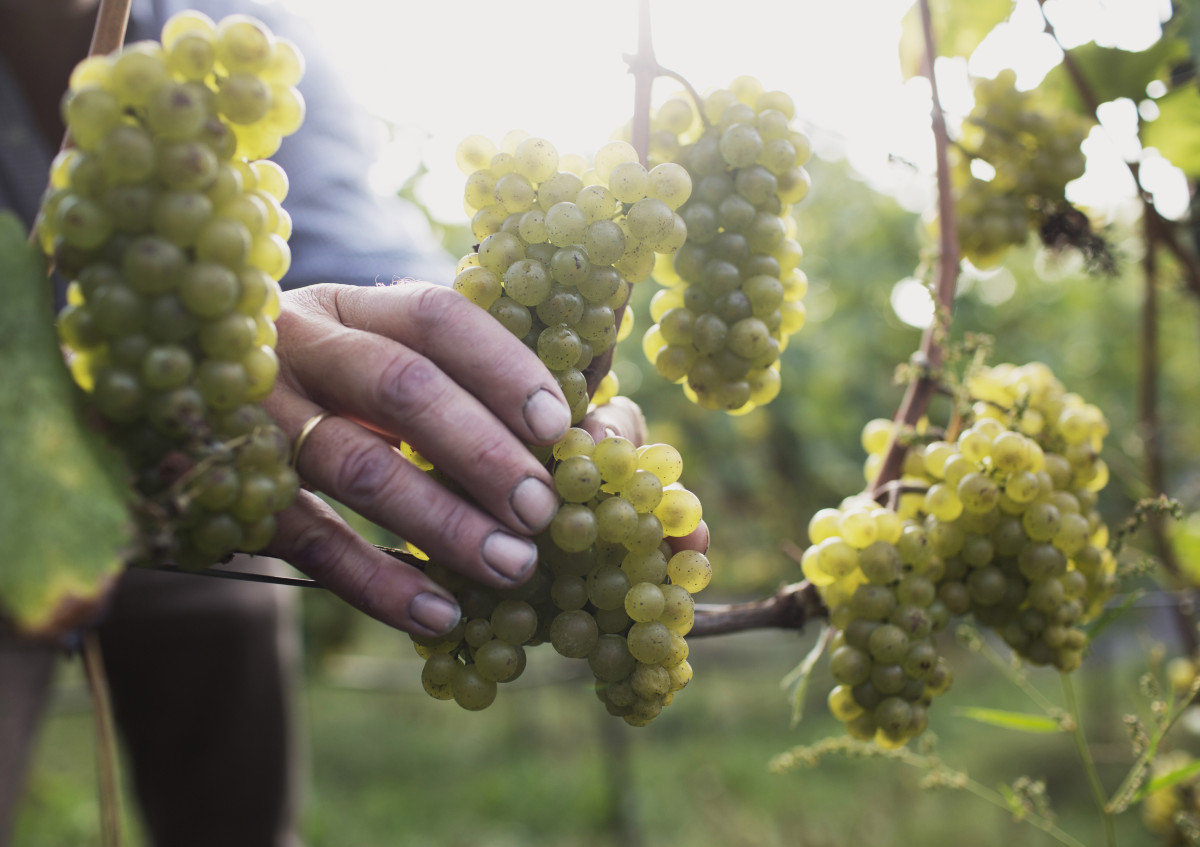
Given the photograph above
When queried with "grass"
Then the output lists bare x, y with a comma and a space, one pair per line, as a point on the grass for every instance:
546, 766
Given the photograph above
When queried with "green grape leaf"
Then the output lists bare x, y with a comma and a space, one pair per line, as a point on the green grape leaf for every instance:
64, 517
796, 682
1176, 131
958, 28
1167, 780
1020, 721
1112, 73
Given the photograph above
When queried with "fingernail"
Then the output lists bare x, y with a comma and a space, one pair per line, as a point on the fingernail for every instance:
434, 612
547, 416
534, 502
508, 555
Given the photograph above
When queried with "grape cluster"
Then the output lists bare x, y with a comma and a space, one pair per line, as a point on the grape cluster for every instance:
1033, 152
878, 576
560, 244
608, 587
999, 524
173, 240
733, 292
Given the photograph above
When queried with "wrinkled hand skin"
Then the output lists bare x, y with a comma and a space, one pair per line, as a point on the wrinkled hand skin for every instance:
419, 363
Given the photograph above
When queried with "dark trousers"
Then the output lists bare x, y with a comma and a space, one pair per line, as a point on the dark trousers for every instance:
202, 672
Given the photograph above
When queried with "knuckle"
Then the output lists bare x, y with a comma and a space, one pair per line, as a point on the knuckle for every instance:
317, 298
430, 306
410, 383
323, 541
494, 456
457, 525
366, 471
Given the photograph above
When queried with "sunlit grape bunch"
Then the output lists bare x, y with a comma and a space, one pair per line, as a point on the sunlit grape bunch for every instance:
609, 588
878, 576
1000, 523
171, 233
1030, 152
1021, 483
560, 243
734, 288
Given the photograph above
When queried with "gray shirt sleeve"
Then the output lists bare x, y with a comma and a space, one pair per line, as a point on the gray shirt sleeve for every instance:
342, 231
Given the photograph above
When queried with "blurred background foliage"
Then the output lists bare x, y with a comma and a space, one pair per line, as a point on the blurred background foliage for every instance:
546, 766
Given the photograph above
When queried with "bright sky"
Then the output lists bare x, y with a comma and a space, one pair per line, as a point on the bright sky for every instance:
440, 71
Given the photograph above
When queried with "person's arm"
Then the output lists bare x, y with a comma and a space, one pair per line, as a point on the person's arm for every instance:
343, 231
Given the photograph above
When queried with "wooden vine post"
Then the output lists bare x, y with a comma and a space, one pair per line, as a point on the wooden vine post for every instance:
112, 21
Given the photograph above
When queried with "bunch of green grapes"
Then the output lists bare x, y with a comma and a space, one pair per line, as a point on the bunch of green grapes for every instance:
608, 586
173, 240
878, 576
1034, 153
734, 289
560, 244
999, 524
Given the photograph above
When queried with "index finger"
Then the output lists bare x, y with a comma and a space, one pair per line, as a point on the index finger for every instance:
470, 346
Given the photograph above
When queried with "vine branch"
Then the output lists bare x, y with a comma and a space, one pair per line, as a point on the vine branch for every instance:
925, 382
1152, 435
791, 607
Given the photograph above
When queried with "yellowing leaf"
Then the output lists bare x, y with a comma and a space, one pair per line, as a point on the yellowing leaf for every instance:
64, 517
1020, 721
957, 29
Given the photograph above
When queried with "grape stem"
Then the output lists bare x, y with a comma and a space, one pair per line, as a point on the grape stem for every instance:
925, 383
645, 68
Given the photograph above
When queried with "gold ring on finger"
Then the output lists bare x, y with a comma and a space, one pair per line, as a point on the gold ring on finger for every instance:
305, 432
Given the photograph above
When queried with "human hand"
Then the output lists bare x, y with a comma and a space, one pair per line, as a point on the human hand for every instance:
415, 362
